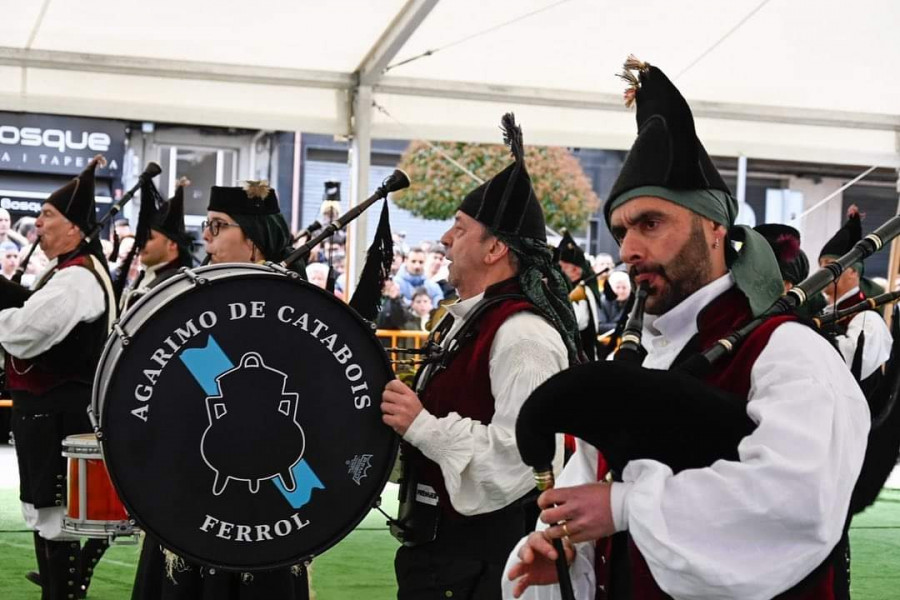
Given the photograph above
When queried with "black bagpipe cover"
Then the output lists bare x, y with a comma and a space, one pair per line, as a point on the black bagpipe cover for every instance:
12, 295
630, 412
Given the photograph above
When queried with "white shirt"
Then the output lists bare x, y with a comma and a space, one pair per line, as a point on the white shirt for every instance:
72, 295
585, 310
877, 347
755, 527
480, 463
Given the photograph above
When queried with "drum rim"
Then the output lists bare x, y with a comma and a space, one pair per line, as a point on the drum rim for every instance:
243, 270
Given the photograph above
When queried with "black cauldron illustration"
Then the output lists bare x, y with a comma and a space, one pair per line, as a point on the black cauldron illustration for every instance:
253, 433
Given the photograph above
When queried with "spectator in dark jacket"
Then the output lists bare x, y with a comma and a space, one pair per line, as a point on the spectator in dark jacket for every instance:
412, 275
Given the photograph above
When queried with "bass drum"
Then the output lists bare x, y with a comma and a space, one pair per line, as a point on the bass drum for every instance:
239, 416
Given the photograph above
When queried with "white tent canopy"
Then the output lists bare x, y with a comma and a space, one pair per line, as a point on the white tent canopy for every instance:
802, 80
795, 80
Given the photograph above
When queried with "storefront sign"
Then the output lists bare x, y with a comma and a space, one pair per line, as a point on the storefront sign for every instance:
59, 145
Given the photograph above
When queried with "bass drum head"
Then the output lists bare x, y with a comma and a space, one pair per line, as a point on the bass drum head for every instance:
240, 420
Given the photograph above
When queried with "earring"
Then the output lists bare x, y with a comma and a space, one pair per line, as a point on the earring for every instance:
716, 244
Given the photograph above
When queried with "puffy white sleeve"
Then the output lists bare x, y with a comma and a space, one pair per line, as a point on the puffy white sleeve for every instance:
71, 296
877, 347
753, 528
480, 463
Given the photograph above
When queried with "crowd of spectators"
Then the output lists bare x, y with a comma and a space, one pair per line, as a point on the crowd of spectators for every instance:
417, 286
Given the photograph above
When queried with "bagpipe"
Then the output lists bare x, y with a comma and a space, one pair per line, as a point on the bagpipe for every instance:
397, 180
674, 417
579, 292
851, 311
150, 171
13, 294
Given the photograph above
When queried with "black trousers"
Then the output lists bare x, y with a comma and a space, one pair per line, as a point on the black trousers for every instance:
466, 559
40, 424
426, 574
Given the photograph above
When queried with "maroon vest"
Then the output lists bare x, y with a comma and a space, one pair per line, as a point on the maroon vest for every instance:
464, 386
74, 359
721, 317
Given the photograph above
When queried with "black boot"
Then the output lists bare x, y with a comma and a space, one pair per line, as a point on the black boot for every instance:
59, 581
40, 552
91, 553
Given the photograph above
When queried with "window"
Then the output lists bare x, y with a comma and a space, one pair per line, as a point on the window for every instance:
205, 167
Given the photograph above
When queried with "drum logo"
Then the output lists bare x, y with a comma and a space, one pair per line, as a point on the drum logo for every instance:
233, 416
243, 426
359, 467
237, 441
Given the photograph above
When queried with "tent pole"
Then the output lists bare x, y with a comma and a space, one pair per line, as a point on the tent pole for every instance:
894, 262
360, 160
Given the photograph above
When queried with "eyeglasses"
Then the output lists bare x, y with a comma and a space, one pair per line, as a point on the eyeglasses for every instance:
215, 226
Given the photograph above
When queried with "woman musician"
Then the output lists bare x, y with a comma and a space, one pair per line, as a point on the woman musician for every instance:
244, 225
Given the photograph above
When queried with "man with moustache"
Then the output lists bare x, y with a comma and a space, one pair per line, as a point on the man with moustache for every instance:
52, 338
467, 495
771, 523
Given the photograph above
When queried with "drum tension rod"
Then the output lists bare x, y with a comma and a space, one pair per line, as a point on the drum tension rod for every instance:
195, 279
281, 269
121, 333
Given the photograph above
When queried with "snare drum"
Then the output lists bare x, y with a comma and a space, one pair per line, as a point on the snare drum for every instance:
239, 415
94, 509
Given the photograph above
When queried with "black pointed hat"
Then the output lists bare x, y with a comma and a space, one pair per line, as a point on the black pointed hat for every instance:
169, 219
666, 154
846, 237
785, 242
151, 200
506, 203
254, 206
75, 200
667, 161
253, 198
568, 250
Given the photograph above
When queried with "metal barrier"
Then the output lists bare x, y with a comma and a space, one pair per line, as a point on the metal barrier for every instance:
393, 337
